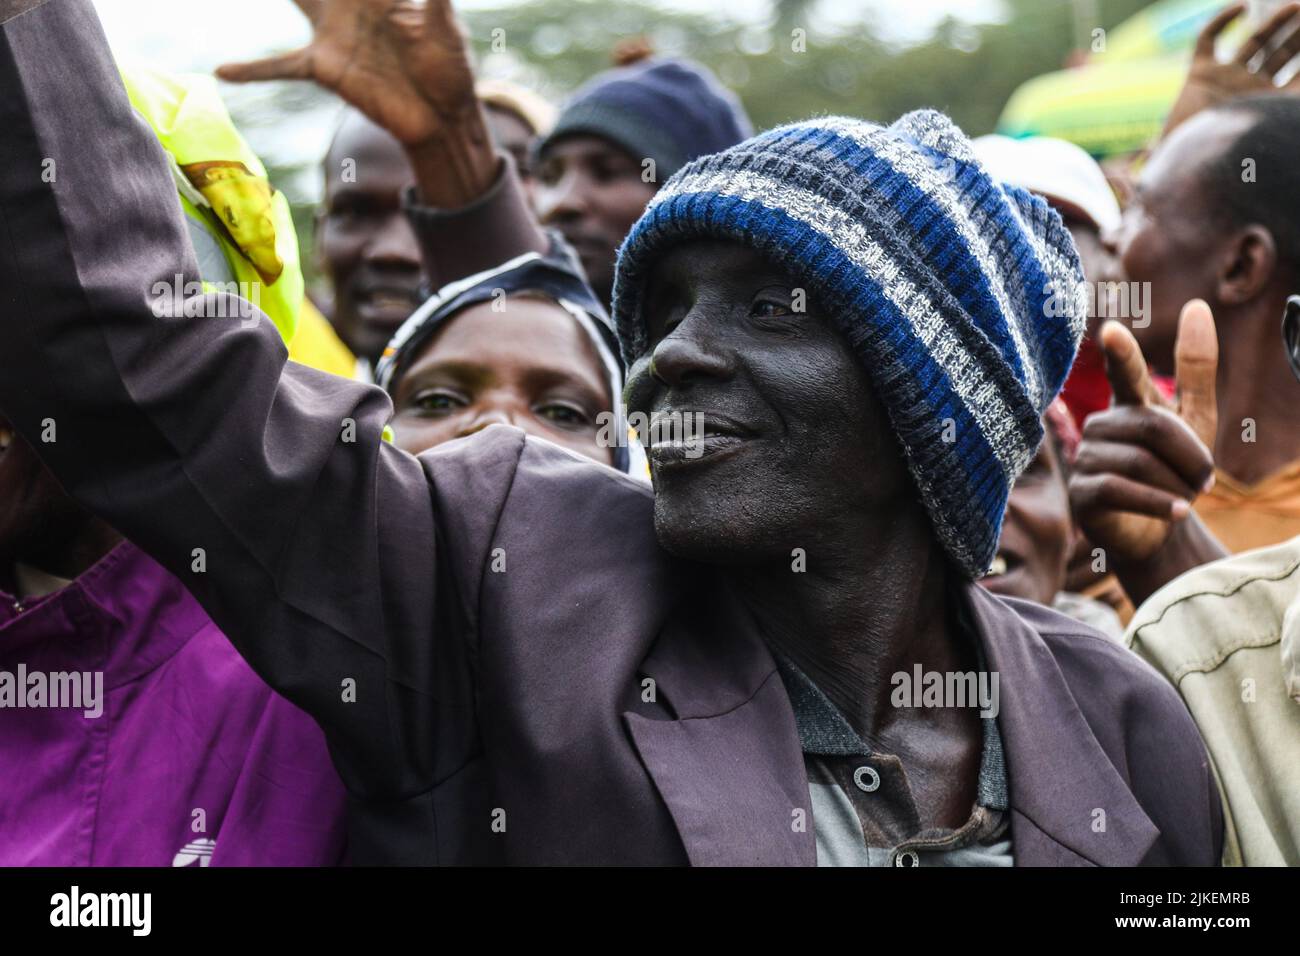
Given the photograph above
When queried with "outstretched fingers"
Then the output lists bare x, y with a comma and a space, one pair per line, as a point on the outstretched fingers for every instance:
295, 65
1274, 27
1205, 40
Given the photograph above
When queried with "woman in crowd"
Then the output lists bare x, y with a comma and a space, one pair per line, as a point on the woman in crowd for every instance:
172, 752
525, 344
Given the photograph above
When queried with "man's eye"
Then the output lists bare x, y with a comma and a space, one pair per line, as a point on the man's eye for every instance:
351, 209
767, 308
563, 414
437, 402
548, 174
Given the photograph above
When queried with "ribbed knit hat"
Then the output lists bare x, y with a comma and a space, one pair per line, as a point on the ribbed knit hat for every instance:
959, 295
670, 111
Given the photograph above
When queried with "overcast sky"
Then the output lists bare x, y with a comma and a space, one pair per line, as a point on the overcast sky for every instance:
199, 34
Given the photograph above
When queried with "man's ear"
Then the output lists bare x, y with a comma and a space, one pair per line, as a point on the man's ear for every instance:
1248, 265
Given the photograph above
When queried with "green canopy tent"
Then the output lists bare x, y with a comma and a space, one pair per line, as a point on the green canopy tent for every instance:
1116, 102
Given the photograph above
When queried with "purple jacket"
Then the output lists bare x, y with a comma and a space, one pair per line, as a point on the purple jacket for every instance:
193, 760
508, 667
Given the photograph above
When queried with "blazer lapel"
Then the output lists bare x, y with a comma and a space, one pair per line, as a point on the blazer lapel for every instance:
729, 766
1069, 803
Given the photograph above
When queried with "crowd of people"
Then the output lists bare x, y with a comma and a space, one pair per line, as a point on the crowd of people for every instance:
964, 530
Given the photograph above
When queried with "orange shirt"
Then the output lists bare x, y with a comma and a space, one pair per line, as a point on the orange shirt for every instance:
1244, 516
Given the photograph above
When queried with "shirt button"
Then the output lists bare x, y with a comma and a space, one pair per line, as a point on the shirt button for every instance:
907, 858
866, 779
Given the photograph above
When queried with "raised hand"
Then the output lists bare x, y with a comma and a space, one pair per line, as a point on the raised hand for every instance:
402, 63
1210, 82
1142, 462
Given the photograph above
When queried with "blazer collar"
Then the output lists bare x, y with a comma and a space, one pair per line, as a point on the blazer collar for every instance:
1069, 802
729, 766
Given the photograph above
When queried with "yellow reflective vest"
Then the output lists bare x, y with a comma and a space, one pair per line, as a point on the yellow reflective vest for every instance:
240, 225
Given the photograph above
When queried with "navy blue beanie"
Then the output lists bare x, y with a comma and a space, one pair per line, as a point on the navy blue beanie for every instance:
670, 111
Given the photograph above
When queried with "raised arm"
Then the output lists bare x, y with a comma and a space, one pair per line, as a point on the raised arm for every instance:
406, 66
264, 486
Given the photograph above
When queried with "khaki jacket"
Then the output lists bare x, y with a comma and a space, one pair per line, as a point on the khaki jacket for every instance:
1228, 636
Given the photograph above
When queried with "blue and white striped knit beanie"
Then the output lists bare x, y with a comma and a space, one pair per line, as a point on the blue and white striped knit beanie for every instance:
959, 294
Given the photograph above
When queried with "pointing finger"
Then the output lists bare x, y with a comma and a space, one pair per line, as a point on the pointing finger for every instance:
1126, 368
1196, 360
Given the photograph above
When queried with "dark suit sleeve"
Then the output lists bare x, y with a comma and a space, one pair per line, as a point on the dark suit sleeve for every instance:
263, 485
495, 228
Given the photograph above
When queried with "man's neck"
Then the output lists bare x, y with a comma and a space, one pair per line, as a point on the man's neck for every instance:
1257, 397
874, 602
37, 572
31, 583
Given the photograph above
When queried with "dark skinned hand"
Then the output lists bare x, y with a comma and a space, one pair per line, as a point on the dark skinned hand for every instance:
403, 64
1210, 82
1143, 461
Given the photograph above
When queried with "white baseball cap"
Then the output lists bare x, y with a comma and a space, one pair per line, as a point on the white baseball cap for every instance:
1056, 169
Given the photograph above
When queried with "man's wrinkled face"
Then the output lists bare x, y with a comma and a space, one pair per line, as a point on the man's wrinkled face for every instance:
367, 248
592, 191
793, 435
531, 366
1170, 236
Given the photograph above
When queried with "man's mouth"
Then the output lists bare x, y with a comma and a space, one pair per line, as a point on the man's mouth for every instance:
682, 438
386, 305
1003, 564
588, 247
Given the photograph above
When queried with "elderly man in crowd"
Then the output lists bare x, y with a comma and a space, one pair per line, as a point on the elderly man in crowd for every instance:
778, 656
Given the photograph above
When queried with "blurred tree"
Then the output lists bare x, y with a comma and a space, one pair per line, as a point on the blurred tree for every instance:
965, 69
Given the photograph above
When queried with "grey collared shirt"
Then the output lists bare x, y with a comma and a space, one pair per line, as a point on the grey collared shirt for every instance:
863, 810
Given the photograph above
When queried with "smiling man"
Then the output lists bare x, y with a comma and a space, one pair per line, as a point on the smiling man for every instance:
364, 241
522, 656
